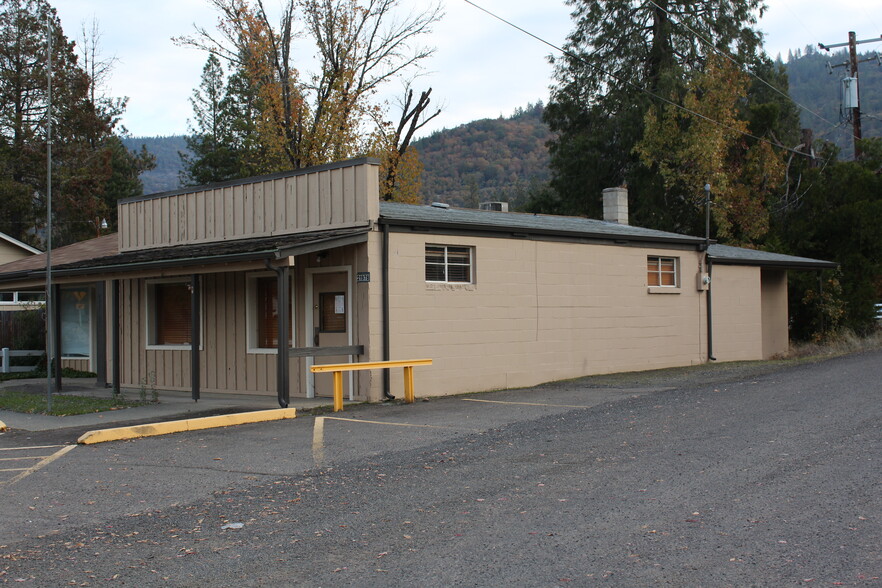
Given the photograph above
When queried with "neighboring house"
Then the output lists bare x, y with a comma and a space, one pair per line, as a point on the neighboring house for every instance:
10, 250
187, 294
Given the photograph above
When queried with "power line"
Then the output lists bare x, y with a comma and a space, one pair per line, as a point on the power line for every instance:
743, 67
572, 55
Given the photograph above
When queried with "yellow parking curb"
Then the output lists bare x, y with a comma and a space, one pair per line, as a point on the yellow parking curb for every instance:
211, 422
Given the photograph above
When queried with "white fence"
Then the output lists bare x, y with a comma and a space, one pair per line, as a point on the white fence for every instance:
5, 368
879, 312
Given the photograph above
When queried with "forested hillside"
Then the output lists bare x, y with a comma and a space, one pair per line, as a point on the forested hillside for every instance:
168, 163
489, 159
813, 86
503, 158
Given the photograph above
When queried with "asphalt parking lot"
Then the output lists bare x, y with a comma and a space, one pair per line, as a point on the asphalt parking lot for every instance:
761, 475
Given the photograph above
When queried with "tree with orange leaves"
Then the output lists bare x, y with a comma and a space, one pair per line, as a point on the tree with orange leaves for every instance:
306, 119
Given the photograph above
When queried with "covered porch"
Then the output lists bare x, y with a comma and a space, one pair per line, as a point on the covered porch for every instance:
205, 318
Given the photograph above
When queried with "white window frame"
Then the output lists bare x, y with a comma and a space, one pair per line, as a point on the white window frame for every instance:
447, 264
251, 313
17, 301
91, 327
674, 288
150, 316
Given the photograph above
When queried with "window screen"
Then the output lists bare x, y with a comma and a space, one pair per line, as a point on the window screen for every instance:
333, 312
171, 312
446, 263
266, 293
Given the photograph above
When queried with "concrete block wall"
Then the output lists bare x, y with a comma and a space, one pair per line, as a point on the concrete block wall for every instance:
539, 311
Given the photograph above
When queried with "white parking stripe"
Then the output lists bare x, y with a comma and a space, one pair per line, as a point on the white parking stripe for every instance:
44, 462
31, 447
318, 440
527, 403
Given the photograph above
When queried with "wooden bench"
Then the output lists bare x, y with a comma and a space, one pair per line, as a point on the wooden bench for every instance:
338, 368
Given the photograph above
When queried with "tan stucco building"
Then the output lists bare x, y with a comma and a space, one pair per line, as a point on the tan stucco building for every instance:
12, 249
185, 295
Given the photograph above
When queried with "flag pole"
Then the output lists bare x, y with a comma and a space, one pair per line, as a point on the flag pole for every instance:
50, 326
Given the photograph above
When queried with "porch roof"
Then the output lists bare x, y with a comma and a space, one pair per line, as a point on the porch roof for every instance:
102, 256
727, 255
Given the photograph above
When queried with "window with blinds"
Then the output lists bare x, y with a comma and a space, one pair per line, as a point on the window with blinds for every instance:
661, 271
449, 264
266, 313
168, 307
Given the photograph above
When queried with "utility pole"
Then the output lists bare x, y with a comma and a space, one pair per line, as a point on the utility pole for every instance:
852, 63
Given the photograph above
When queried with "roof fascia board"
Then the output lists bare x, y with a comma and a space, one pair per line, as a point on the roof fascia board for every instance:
204, 263
161, 264
19, 244
797, 265
322, 245
256, 179
396, 225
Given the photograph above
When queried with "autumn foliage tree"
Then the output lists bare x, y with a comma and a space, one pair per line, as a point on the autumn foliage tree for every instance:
310, 118
705, 139
621, 58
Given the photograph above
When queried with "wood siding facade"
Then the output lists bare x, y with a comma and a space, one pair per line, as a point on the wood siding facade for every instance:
336, 197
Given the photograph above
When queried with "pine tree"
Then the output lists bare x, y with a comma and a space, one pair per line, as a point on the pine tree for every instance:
86, 157
619, 55
216, 140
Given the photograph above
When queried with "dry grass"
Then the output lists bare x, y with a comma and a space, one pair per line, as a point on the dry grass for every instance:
842, 344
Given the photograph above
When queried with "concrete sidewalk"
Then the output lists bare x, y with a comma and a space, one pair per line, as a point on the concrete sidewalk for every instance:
172, 405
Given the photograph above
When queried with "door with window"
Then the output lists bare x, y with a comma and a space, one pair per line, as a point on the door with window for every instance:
330, 325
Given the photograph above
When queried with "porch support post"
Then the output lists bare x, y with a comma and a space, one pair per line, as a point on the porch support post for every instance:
114, 334
194, 334
283, 294
59, 351
101, 334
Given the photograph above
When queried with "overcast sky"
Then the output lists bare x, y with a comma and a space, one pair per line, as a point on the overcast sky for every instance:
482, 68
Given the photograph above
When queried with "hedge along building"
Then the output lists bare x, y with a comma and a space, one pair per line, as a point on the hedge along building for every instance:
186, 295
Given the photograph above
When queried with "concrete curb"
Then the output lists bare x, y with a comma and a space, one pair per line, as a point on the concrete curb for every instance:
227, 420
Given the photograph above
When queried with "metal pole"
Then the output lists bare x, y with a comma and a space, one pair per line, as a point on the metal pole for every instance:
114, 335
50, 327
710, 310
707, 205
195, 322
283, 295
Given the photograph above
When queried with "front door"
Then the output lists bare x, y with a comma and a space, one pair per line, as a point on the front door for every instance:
330, 325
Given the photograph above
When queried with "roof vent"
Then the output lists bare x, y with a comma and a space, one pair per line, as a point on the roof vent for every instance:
440, 205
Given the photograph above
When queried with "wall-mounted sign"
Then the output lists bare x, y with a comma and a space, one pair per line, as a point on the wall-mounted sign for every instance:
363, 277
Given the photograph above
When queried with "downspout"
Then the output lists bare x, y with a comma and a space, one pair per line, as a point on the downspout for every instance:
709, 266
710, 312
386, 321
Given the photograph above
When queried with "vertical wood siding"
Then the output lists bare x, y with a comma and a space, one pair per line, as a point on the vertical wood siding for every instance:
327, 198
224, 359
